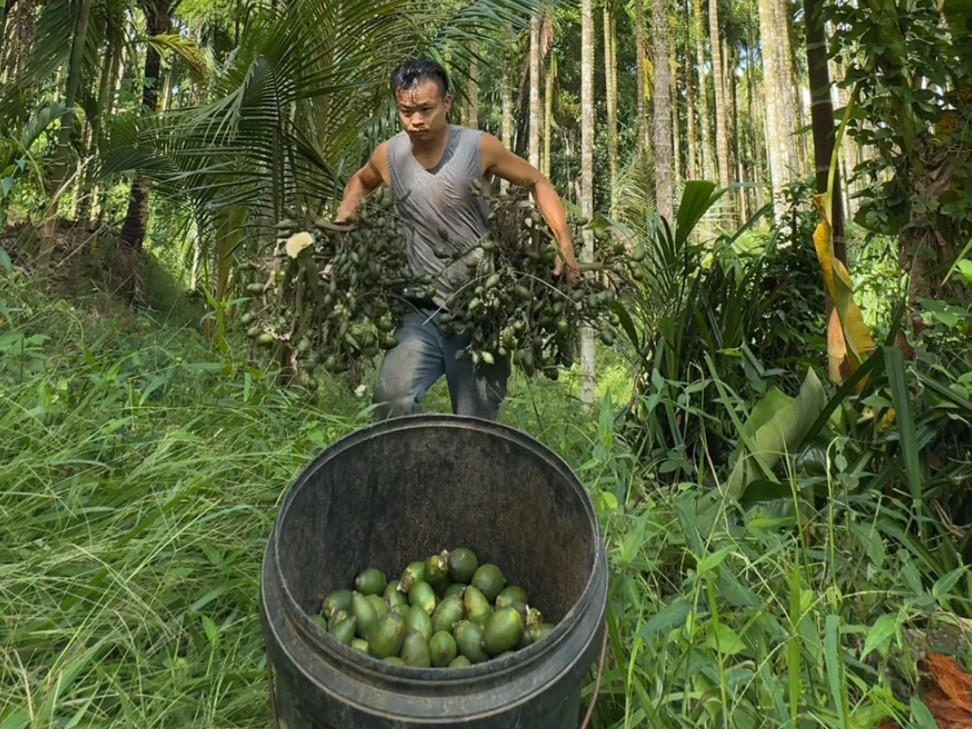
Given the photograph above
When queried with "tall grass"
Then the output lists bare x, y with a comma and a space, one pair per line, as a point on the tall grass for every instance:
138, 484
140, 474
139, 479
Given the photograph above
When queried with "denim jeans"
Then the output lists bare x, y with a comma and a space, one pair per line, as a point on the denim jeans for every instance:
422, 356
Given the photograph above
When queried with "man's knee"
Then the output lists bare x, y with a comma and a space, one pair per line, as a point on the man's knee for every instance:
481, 392
393, 398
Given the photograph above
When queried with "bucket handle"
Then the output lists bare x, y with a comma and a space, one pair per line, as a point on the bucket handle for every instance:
584, 725
597, 685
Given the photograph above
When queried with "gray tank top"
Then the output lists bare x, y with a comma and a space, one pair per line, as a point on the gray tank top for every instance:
440, 212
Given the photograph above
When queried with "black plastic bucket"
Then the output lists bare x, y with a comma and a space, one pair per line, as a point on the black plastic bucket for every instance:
406, 488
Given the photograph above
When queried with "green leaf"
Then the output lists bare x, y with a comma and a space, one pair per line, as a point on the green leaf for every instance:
212, 632
873, 542
901, 397
725, 640
206, 366
605, 502
5, 263
761, 490
834, 660
965, 268
871, 364
776, 427
16, 719
628, 325
947, 393
697, 198
669, 617
923, 717
713, 560
868, 716
879, 633
943, 586
794, 655
39, 121
961, 264
191, 54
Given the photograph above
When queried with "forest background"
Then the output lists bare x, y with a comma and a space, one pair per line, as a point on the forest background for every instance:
778, 444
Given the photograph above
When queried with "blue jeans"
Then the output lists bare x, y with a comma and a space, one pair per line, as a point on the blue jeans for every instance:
422, 356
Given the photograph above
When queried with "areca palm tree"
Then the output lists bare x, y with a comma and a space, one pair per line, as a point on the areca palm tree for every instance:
158, 22
99, 34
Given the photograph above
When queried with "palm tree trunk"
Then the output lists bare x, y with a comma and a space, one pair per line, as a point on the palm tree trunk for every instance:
103, 111
548, 96
59, 174
849, 148
506, 101
136, 220
738, 142
765, 158
691, 149
167, 93
4, 14
611, 82
718, 82
754, 107
673, 96
664, 189
800, 114
822, 118
587, 184
472, 116
704, 117
106, 108
20, 34
641, 128
775, 146
738, 139
534, 157
786, 82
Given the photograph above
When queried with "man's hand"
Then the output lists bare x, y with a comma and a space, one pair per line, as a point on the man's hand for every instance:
570, 272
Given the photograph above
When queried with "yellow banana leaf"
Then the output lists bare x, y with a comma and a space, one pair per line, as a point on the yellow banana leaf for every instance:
849, 340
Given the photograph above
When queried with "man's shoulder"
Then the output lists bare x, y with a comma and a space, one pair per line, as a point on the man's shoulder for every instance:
395, 140
392, 149
461, 131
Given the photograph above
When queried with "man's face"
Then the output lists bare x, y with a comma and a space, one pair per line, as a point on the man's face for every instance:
423, 110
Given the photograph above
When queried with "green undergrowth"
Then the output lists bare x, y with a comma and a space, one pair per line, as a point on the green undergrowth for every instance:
140, 472
141, 469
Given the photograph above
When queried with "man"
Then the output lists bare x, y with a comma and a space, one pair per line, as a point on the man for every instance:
433, 169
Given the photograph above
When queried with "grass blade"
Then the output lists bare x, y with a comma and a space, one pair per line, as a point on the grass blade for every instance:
834, 661
901, 398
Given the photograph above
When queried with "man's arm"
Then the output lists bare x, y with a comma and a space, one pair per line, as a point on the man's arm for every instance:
499, 161
374, 172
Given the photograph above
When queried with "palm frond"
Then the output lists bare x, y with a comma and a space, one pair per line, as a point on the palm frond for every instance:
636, 193
39, 121
186, 50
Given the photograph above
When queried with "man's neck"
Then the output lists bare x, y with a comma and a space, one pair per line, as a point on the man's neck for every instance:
429, 152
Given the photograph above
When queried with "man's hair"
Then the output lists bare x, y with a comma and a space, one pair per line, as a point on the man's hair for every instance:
411, 74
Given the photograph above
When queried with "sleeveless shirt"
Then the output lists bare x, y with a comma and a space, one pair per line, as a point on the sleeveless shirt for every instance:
440, 213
